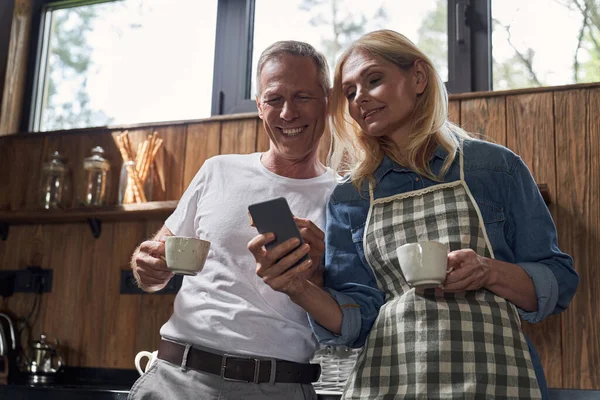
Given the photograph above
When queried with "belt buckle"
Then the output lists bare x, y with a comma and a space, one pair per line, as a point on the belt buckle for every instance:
224, 369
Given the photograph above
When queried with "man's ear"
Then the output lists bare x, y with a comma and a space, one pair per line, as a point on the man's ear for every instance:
259, 106
421, 73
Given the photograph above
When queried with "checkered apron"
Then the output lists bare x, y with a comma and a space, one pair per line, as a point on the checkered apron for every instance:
453, 346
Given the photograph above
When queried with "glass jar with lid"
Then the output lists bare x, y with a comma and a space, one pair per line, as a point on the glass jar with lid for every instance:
54, 182
96, 178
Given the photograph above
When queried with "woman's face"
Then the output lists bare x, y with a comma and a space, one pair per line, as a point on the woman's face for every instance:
381, 96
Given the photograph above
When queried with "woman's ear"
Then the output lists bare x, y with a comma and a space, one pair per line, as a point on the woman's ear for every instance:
421, 72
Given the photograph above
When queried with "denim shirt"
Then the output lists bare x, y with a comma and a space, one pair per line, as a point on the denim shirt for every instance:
518, 223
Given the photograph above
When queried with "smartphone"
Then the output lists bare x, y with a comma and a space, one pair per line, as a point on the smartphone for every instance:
275, 216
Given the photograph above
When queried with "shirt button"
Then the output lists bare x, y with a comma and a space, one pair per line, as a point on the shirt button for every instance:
417, 179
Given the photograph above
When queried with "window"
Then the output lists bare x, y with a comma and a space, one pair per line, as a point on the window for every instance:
561, 47
125, 62
102, 62
246, 27
330, 25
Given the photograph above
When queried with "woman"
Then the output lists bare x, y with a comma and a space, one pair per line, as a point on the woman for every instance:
425, 179
414, 176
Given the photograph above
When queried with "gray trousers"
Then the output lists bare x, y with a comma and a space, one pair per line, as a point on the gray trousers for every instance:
166, 381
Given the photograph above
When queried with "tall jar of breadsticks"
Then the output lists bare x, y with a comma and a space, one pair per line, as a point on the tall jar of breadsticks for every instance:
135, 181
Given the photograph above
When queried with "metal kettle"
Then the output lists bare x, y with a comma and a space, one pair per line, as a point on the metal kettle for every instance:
7, 348
44, 358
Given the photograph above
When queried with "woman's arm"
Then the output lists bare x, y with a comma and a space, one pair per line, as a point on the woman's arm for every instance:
541, 281
532, 236
471, 271
348, 280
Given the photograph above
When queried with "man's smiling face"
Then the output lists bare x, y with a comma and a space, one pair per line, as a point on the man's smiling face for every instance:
292, 105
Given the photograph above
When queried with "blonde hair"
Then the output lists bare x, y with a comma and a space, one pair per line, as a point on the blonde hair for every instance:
357, 154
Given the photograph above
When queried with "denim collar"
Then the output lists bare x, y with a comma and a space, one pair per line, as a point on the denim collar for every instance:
388, 165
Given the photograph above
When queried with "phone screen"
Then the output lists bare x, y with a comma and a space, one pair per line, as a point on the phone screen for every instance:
275, 216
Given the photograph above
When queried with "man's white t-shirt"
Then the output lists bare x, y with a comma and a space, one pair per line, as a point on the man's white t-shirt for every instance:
227, 306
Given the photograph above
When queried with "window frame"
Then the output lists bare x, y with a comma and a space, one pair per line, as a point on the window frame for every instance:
232, 75
469, 59
469, 46
38, 49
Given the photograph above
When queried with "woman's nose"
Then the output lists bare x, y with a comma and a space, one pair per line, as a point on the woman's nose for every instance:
361, 96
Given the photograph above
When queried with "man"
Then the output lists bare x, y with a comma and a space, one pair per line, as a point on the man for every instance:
231, 336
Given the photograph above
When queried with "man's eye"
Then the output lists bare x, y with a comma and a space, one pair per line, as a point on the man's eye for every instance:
374, 81
273, 101
304, 98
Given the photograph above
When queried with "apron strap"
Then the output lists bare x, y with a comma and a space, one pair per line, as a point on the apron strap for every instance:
371, 192
462, 162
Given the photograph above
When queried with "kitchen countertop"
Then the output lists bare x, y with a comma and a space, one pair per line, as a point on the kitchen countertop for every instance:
72, 392
85, 384
67, 392
114, 384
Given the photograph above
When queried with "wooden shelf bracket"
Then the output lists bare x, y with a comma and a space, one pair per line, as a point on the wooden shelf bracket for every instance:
95, 227
4, 230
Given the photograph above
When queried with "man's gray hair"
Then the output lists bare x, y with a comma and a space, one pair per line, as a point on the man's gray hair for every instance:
295, 48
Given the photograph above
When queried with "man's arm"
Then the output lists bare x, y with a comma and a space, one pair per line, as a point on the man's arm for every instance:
148, 262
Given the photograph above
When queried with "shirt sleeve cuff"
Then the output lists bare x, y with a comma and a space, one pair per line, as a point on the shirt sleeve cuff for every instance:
351, 322
546, 291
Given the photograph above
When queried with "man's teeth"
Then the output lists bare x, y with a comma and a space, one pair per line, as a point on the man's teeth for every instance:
292, 132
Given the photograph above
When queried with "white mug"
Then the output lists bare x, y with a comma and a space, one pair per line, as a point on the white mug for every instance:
185, 256
424, 263
151, 359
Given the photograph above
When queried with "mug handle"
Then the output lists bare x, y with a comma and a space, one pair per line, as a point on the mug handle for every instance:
138, 358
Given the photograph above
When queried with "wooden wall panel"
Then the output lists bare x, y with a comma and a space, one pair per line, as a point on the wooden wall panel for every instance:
107, 329
202, 142
122, 312
64, 311
24, 155
454, 112
98, 291
5, 168
530, 134
262, 139
238, 136
486, 118
170, 163
578, 219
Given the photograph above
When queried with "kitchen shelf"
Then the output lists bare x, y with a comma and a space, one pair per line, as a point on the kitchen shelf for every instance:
93, 215
126, 212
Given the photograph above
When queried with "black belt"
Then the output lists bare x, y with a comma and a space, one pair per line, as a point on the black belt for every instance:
238, 368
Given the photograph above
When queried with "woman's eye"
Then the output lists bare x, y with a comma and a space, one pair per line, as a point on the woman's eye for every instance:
350, 95
374, 81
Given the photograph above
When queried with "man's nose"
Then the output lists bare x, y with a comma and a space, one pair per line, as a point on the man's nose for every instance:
288, 111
